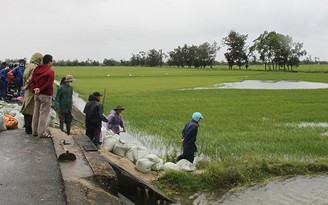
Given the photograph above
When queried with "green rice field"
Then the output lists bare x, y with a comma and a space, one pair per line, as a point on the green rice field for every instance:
242, 127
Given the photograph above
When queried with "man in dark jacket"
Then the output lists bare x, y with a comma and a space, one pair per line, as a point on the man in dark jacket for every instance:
64, 104
93, 111
189, 134
42, 86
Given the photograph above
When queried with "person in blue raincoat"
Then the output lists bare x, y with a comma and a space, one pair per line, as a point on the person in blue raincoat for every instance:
18, 73
189, 134
3, 81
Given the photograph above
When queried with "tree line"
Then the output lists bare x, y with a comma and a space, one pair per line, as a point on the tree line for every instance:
271, 49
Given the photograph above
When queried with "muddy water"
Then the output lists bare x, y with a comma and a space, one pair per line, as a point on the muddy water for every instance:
303, 190
296, 190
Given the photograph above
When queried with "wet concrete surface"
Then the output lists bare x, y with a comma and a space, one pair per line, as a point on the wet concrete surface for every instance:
29, 172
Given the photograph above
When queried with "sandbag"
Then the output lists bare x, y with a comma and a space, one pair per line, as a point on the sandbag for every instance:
129, 153
144, 165
121, 148
170, 165
20, 119
2, 123
109, 142
139, 152
185, 165
51, 118
152, 157
158, 166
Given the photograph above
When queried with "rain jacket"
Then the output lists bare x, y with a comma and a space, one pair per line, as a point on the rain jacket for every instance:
18, 74
189, 134
115, 121
28, 103
94, 113
64, 98
43, 78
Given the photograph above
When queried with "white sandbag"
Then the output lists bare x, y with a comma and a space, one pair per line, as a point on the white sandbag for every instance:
20, 119
121, 148
139, 152
13, 112
185, 165
144, 165
152, 157
51, 118
109, 143
159, 166
6, 108
129, 153
2, 123
170, 165
16, 107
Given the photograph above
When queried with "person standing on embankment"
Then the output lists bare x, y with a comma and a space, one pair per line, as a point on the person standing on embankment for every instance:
93, 111
64, 104
42, 86
189, 134
115, 120
28, 102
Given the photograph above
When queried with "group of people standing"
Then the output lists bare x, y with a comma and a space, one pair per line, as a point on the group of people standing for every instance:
38, 79
94, 117
11, 75
38, 90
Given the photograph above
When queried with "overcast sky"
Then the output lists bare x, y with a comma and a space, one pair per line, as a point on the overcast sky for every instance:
98, 29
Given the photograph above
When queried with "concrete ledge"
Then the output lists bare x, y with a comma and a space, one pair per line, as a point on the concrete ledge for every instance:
104, 173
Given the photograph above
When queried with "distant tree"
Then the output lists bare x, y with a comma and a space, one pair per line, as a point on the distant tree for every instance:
110, 62
277, 50
205, 54
236, 49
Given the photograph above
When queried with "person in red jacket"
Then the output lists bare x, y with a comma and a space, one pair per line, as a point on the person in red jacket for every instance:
42, 86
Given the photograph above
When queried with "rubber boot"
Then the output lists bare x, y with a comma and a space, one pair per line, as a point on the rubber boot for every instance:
68, 128
61, 126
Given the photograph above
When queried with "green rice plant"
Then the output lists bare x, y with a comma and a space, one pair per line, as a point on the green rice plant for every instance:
245, 133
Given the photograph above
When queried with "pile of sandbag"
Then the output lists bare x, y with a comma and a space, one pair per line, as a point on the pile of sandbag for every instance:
140, 156
12, 118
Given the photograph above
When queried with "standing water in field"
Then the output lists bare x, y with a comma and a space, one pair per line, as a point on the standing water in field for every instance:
295, 190
266, 85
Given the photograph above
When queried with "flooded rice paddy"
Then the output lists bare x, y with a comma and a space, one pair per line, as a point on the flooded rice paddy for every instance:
265, 85
300, 190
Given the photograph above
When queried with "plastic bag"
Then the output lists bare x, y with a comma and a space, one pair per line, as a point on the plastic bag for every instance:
10, 122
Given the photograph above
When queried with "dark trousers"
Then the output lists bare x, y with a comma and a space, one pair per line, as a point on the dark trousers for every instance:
94, 134
28, 123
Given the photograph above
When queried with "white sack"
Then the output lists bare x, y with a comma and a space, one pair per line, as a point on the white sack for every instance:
121, 148
170, 165
144, 165
158, 166
2, 123
151, 157
109, 143
139, 152
185, 165
20, 119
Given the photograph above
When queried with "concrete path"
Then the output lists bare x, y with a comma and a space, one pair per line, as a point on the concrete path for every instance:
29, 171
